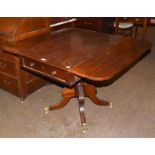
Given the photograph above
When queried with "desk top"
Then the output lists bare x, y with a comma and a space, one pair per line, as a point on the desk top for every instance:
87, 54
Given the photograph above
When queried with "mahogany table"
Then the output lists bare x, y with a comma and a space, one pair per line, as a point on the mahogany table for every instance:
71, 56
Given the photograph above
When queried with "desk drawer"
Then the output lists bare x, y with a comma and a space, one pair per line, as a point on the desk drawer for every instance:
7, 67
50, 72
88, 23
9, 84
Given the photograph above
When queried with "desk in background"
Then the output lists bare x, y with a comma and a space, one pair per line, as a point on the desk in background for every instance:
101, 24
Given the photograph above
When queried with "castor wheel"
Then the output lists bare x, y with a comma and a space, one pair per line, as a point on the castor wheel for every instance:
46, 109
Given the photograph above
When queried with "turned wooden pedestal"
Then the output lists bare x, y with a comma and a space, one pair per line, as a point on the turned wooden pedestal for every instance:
80, 91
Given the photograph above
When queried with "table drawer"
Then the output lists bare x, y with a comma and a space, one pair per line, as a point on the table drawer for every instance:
50, 72
7, 67
9, 84
88, 23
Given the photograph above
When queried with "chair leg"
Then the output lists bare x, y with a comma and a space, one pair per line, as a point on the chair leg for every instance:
131, 32
136, 30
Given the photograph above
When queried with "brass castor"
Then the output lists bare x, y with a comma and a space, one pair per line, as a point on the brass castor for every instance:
84, 127
46, 109
111, 104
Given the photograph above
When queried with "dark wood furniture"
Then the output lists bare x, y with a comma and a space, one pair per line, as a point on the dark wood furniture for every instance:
101, 24
12, 30
75, 56
137, 21
71, 56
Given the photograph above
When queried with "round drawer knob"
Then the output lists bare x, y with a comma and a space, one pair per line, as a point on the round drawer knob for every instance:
32, 64
68, 66
137, 19
53, 73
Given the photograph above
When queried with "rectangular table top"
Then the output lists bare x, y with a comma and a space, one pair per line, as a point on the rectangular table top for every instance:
85, 53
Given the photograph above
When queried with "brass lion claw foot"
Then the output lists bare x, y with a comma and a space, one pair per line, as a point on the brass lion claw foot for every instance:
111, 104
84, 127
46, 109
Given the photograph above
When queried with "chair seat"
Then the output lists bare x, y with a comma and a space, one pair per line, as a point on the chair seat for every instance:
124, 25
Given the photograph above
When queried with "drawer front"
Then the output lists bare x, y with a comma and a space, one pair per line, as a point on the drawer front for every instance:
7, 67
8, 56
9, 84
88, 23
138, 20
29, 76
50, 72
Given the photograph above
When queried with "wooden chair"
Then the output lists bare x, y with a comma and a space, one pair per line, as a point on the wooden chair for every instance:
126, 24
123, 27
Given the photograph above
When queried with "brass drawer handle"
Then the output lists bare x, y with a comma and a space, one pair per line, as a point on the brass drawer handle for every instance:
87, 23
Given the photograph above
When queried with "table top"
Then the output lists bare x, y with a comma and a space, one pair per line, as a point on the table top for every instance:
85, 53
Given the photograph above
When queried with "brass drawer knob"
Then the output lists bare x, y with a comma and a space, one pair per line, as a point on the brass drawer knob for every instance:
31, 64
68, 66
137, 19
53, 73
